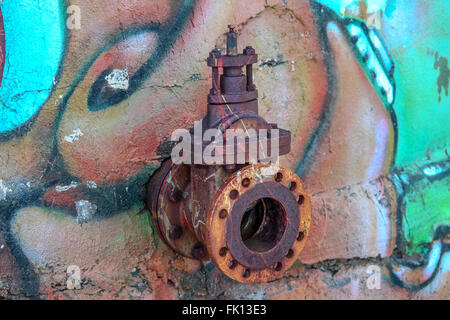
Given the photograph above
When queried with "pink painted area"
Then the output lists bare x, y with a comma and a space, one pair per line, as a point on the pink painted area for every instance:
375, 168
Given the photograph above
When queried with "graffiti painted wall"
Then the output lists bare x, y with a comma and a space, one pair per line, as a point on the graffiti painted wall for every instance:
92, 90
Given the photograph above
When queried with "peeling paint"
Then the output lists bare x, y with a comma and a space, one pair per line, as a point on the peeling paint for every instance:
118, 79
75, 136
91, 185
72, 185
3, 190
85, 211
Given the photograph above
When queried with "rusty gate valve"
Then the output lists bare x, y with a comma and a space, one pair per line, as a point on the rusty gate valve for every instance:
244, 211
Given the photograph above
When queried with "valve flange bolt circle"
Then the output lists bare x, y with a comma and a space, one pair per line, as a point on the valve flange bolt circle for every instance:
175, 195
301, 199
278, 177
232, 264
223, 214
301, 235
246, 273
290, 253
278, 266
223, 251
246, 182
292, 186
175, 232
234, 194
198, 251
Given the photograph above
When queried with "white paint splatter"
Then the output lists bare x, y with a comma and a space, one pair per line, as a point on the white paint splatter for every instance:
85, 211
75, 136
2, 246
91, 185
118, 79
72, 185
3, 190
270, 170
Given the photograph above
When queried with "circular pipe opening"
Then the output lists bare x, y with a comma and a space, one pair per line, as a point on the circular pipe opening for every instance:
263, 224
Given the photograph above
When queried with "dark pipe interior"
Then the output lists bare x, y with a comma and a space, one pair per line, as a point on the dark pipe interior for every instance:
263, 224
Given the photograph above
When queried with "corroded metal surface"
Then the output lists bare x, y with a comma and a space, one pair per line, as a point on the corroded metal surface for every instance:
225, 243
251, 218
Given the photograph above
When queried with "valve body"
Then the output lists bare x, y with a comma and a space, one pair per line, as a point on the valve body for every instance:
247, 214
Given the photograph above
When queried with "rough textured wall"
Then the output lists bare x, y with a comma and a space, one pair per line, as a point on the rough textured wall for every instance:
92, 90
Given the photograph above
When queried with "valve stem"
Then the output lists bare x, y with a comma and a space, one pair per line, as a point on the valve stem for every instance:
231, 41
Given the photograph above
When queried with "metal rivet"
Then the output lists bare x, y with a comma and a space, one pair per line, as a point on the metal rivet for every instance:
278, 177
278, 266
290, 253
175, 195
198, 251
234, 194
246, 273
292, 186
301, 236
232, 264
223, 251
223, 214
175, 232
246, 182
301, 199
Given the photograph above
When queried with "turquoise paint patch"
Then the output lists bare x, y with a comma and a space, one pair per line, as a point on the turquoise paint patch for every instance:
34, 34
339, 5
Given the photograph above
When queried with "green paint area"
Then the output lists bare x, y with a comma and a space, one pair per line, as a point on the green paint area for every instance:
427, 208
417, 34
418, 37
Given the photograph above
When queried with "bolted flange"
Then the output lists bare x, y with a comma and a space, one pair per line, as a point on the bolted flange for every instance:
259, 237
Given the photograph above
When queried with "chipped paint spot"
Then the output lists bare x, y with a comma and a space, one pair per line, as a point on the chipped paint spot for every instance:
3, 190
75, 136
91, 185
272, 62
270, 170
85, 211
72, 185
118, 79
